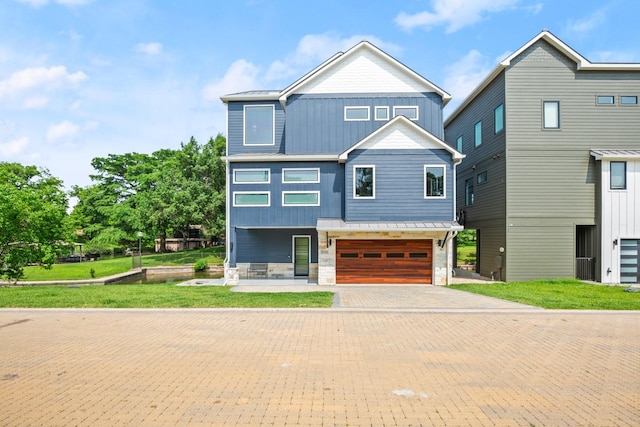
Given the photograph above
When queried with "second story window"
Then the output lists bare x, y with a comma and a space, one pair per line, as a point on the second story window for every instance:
477, 132
629, 100
251, 176
468, 192
498, 119
259, 125
551, 114
382, 113
364, 182
434, 182
301, 176
353, 114
605, 100
459, 143
618, 176
409, 111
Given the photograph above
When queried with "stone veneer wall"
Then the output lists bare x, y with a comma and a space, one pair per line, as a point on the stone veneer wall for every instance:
442, 258
275, 271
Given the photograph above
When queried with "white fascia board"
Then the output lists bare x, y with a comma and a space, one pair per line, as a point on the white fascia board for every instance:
282, 158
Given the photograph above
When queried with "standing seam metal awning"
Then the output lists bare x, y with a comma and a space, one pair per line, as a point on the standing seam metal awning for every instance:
337, 224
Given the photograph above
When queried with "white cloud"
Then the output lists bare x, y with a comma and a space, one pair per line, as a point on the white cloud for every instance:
62, 131
40, 78
153, 48
35, 102
241, 75
13, 148
38, 3
613, 56
454, 14
464, 75
586, 25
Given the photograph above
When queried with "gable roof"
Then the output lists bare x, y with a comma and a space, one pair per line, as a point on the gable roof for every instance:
581, 64
401, 122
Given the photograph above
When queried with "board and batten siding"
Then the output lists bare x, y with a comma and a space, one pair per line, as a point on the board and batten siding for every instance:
235, 123
277, 215
620, 217
399, 186
316, 124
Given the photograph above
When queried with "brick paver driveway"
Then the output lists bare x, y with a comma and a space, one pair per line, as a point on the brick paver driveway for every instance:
318, 367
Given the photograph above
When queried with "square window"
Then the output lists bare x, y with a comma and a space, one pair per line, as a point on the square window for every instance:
382, 113
628, 100
355, 114
364, 182
605, 99
618, 176
551, 114
468, 192
478, 134
259, 125
498, 119
251, 199
482, 177
434, 182
410, 112
459, 144
251, 176
300, 198
301, 176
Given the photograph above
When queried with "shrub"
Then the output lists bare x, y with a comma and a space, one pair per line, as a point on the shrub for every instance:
201, 265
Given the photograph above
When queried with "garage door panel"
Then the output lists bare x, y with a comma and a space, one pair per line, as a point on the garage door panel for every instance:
384, 261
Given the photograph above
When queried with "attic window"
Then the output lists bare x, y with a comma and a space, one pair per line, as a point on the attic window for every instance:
628, 100
382, 113
409, 111
605, 99
353, 114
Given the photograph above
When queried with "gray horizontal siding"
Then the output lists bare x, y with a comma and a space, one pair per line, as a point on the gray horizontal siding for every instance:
271, 245
235, 122
276, 215
315, 123
399, 186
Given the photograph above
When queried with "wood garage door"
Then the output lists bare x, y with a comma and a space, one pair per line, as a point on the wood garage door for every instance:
383, 261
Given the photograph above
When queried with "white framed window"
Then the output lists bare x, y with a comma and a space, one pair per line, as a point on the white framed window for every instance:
628, 100
434, 182
300, 198
259, 125
381, 114
301, 176
618, 178
409, 111
482, 177
364, 182
605, 99
477, 134
459, 143
249, 199
251, 176
551, 114
498, 119
356, 113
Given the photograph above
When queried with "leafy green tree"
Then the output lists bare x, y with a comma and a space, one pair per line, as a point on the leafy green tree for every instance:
33, 214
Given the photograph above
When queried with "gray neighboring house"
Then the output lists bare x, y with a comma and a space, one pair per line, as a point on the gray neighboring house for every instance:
551, 178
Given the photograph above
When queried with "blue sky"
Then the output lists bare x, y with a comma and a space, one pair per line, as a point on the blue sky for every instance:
85, 78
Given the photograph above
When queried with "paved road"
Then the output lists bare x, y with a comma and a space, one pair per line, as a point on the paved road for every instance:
306, 367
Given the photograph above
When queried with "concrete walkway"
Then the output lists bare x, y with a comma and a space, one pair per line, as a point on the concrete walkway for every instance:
318, 367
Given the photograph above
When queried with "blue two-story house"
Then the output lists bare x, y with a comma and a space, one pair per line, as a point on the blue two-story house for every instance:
343, 176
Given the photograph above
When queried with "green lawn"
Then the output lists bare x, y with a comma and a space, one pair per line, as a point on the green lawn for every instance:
166, 295
560, 294
108, 267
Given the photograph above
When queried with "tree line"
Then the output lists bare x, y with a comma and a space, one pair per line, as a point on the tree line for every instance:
161, 194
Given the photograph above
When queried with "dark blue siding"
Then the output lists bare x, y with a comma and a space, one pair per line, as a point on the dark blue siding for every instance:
399, 186
315, 123
271, 245
331, 187
236, 125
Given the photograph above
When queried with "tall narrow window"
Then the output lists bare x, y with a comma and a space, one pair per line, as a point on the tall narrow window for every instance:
498, 119
259, 125
468, 192
478, 134
459, 144
434, 181
363, 182
551, 114
618, 176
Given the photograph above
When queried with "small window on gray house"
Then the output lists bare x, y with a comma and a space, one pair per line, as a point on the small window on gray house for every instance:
618, 176
551, 114
628, 100
356, 113
364, 182
605, 99
382, 113
468, 192
477, 133
498, 119
482, 177
259, 125
459, 143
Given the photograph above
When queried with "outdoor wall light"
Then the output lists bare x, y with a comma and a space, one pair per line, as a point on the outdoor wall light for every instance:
615, 242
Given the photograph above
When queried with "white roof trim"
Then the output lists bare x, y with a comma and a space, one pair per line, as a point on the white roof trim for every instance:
338, 224
279, 157
331, 62
403, 121
581, 63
